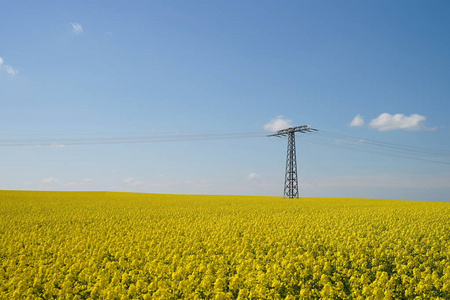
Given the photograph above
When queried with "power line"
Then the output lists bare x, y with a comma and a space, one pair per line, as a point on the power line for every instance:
129, 139
319, 137
414, 149
382, 148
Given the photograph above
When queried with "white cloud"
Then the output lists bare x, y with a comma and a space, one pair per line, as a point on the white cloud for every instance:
387, 121
163, 187
131, 182
358, 121
77, 28
85, 181
128, 180
349, 141
252, 175
57, 145
389, 180
8, 69
278, 123
49, 180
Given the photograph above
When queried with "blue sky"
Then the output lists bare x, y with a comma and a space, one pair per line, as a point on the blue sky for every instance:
108, 68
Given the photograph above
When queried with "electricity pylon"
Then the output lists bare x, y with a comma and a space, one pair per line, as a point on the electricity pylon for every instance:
291, 178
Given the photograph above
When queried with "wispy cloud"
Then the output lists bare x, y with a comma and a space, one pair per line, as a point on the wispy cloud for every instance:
349, 141
388, 180
8, 69
77, 28
385, 122
130, 181
49, 180
357, 121
85, 181
57, 145
278, 123
252, 175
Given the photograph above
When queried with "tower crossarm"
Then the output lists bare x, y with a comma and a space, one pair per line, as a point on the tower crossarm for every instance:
301, 129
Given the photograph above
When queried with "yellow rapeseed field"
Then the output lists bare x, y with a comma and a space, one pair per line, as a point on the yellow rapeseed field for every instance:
95, 245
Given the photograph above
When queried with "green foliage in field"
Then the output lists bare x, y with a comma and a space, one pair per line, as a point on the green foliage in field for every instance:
137, 246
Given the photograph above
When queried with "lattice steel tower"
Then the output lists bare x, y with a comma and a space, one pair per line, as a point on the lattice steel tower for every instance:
291, 178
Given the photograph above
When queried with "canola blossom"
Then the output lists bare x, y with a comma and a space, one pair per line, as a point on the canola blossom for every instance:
96, 245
